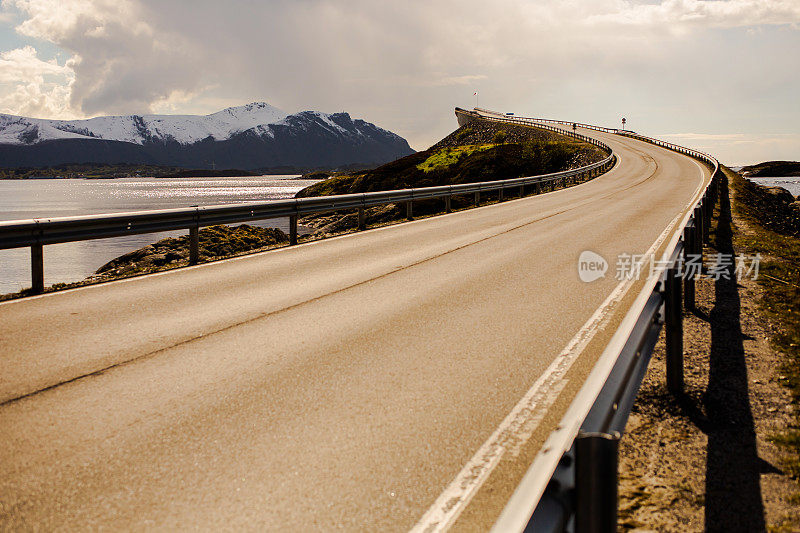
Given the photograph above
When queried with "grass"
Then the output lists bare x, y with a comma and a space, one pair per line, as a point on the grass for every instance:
449, 156
332, 185
471, 153
475, 152
779, 276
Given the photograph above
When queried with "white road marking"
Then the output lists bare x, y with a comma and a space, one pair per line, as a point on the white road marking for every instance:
524, 418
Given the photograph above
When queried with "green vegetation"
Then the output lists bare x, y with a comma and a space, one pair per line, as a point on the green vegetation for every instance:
332, 185
469, 154
463, 133
773, 230
479, 151
449, 156
317, 175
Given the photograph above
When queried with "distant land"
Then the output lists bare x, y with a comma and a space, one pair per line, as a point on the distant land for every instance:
124, 170
256, 137
772, 169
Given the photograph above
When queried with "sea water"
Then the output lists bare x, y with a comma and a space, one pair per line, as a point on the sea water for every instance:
790, 184
74, 261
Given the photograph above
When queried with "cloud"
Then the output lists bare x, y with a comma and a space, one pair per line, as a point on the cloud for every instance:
32, 86
405, 65
121, 62
703, 136
679, 14
741, 148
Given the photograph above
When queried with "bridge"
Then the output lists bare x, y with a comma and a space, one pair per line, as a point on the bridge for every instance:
405, 377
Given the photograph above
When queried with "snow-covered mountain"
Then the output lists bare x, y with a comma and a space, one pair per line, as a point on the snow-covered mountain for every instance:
256, 135
140, 129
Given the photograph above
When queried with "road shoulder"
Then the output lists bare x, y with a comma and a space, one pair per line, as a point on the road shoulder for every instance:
687, 463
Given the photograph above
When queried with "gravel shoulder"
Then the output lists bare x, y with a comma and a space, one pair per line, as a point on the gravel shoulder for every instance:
708, 460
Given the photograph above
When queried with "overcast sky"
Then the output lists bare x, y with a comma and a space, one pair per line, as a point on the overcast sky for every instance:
718, 75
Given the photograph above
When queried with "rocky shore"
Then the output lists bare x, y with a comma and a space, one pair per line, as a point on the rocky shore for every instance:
215, 242
776, 208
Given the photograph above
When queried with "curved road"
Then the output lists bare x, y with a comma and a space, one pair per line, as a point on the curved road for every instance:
354, 383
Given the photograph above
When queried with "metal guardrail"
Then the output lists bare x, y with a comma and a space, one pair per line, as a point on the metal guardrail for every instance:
572, 483
525, 120
483, 114
512, 118
36, 233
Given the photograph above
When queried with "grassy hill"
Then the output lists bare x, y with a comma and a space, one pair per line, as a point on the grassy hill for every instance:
477, 152
480, 151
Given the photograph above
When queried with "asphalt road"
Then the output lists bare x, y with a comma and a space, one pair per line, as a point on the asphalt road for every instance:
342, 384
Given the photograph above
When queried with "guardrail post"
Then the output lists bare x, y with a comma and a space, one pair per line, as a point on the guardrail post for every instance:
698, 232
703, 209
409, 210
708, 206
688, 282
194, 245
596, 458
448, 208
673, 319
37, 268
292, 230
521, 191
362, 219
500, 194
477, 198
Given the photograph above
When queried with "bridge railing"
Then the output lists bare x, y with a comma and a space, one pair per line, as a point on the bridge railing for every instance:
572, 483
495, 114
36, 233
573, 480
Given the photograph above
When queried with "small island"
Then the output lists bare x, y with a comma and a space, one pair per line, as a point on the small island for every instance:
772, 169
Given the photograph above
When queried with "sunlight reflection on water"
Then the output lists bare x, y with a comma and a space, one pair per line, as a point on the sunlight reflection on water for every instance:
26, 199
790, 184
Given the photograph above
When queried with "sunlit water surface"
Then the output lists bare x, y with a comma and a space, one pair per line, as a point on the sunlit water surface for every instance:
790, 184
74, 261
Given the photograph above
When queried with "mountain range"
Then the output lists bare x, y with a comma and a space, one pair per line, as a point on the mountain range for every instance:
254, 136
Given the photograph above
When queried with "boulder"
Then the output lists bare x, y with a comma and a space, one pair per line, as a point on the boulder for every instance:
779, 193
